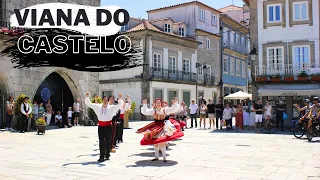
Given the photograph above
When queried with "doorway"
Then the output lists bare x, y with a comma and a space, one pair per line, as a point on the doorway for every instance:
55, 88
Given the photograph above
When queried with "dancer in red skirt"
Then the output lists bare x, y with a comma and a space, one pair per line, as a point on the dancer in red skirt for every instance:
159, 131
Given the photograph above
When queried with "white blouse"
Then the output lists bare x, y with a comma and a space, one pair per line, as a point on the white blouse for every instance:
167, 110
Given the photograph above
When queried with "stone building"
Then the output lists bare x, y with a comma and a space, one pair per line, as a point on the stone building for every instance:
64, 85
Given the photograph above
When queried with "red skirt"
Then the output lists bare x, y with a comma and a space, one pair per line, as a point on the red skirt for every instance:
175, 123
154, 133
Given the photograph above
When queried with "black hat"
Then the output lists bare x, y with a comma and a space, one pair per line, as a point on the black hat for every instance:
26, 98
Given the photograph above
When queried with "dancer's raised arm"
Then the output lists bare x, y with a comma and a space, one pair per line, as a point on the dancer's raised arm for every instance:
128, 104
174, 108
145, 110
113, 109
89, 104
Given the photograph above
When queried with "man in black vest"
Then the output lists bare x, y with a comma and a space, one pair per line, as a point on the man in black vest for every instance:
211, 111
26, 110
219, 113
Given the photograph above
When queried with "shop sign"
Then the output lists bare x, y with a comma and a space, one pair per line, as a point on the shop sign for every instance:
289, 94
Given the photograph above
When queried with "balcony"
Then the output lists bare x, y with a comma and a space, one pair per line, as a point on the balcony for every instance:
168, 75
287, 73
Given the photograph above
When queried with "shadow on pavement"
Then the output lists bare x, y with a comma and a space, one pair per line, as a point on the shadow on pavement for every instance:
146, 154
85, 164
152, 149
251, 132
88, 155
149, 163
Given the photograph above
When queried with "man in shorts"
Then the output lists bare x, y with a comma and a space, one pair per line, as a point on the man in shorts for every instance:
76, 110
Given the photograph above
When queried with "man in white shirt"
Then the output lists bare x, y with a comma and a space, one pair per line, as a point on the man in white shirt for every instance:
227, 116
76, 110
26, 110
59, 120
105, 113
193, 108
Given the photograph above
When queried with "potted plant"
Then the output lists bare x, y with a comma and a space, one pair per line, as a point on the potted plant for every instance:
315, 77
288, 77
262, 78
303, 76
275, 78
41, 125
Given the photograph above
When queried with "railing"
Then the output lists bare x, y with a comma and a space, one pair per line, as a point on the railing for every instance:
286, 69
175, 75
236, 47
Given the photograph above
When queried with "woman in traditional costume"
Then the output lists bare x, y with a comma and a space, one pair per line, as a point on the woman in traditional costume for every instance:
159, 131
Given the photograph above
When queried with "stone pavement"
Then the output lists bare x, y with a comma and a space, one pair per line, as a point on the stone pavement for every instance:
69, 154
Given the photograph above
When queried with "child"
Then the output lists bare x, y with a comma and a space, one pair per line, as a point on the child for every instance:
70, 116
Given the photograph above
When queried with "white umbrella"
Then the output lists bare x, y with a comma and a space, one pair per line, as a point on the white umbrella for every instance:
239, 95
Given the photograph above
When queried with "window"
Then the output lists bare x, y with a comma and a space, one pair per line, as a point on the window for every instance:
232, 39
243, 44
301, 56
186, 66
200, 40
225, 36
124, 28
275, 58
208, 70
200, 70
274, 13
167, 28
106, 93
238, 66
208, 44
201, 15
158, 94
300, 11
213, 20
186, 97
244, 69
172, 65
171, 96
157, 62
181, 31
237, 43
225, 65
232, 66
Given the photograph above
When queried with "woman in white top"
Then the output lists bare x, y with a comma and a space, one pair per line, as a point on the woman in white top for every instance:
252, 123
267, 110
203, 115
246, 115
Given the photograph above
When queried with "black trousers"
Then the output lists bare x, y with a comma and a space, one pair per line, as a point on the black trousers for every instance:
218, 118
8, 120
229, 123
114, 134
23, 123
120, 130
193, 116
105, 133
279, 119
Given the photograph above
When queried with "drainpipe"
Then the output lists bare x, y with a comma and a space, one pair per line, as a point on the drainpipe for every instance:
221, 61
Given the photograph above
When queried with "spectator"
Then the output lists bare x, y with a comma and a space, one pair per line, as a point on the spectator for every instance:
267, 110
219, 114
76, 111
193, 108
35, 113
279, 115
49, 112
41, 111
252, 115
227, 116
211, 111
25, 111
203, 115
259, 111
69, 116
59, 120
239, 117
9, 113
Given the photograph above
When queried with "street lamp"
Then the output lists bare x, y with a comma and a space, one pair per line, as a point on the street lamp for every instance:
253, 57
253, 53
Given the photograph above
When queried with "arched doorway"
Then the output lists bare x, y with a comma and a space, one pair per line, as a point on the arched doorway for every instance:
55, 88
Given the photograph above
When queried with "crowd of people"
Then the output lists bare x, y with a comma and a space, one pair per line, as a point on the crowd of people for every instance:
39, 110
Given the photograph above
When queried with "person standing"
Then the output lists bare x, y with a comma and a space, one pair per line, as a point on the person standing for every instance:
203, 115
121, 125
9, 113
35, 112
246, 114
25, 111
193, 108
41, 111
267, 110
227, 116
259, 112
219, 114
76, 110
105, 113
239, 117
279, 115
252, 115
211, 111
49, 112
70, 112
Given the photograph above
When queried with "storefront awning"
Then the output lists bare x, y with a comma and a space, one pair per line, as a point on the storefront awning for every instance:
289, 90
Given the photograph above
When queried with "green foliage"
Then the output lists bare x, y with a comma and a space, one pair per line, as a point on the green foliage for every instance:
41, 122
276, 75
133, 106
303, 74
17, 105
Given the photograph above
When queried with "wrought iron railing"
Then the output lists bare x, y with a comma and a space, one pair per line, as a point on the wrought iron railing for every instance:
286, 69
182, 76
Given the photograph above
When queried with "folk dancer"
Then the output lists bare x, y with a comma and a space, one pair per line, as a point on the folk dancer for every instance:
114, 125
26, 110
105, 113
159, 131
121, 125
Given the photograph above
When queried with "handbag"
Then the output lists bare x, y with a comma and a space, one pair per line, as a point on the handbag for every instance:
224, 123
285, 117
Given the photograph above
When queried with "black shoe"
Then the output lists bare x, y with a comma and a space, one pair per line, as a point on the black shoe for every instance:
191, 127
165, 161
101, 160
155, 159
116, 146
107, 158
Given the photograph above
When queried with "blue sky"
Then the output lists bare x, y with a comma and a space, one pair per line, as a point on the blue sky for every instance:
138, 8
